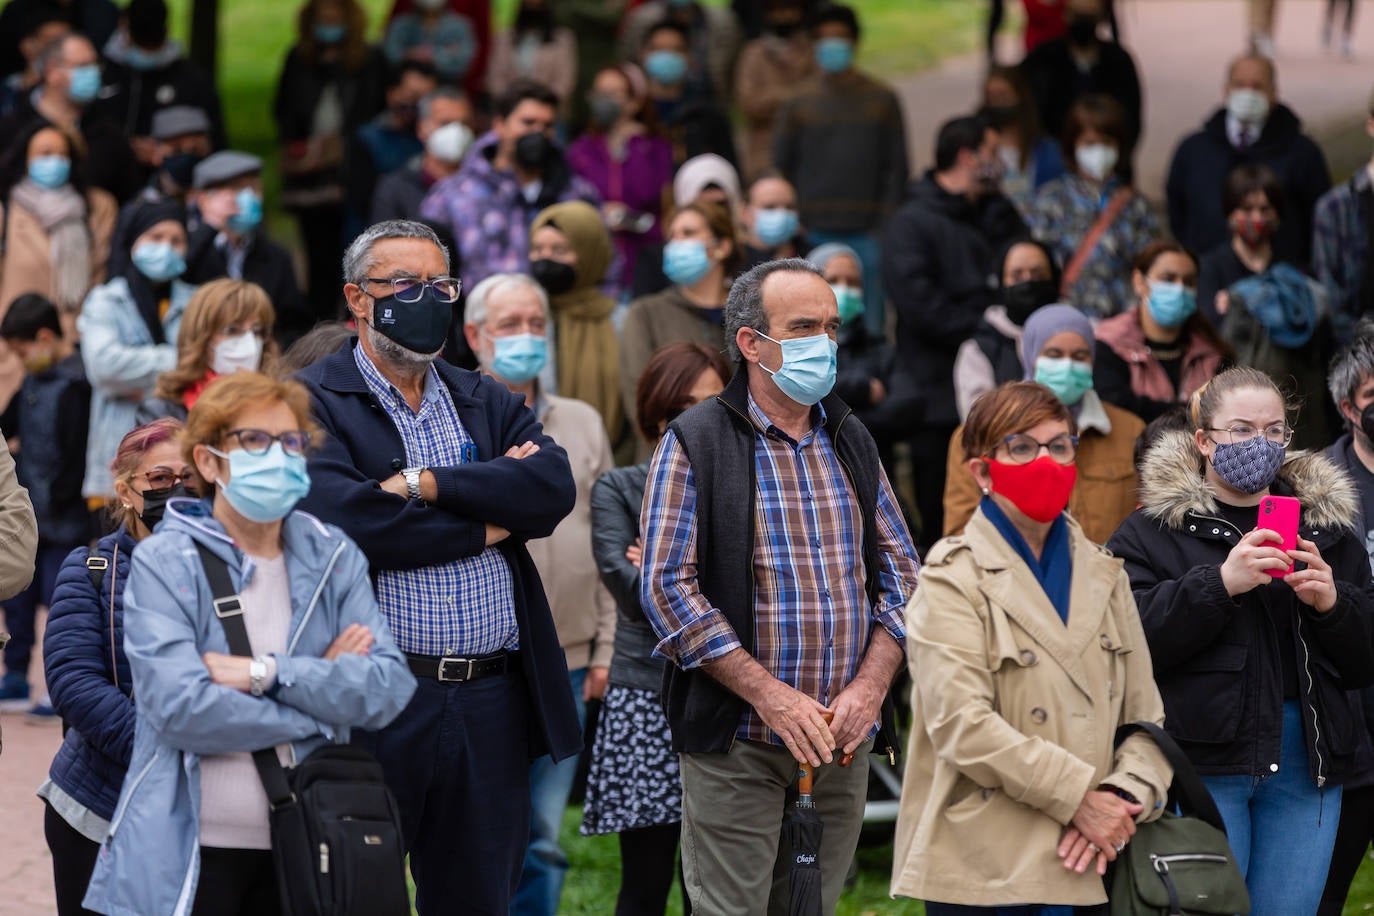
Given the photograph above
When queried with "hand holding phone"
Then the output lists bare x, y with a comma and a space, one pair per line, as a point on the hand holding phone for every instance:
1280, 514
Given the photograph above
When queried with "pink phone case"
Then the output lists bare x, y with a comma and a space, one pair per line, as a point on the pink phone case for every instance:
1280, 514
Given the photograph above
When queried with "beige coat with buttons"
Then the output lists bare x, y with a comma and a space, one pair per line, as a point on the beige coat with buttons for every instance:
1015, 714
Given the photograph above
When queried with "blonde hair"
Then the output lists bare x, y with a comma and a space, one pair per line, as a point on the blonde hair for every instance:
1206, 400
225, 400
215, 306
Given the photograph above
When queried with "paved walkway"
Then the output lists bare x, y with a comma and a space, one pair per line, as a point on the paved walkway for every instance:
1180, 46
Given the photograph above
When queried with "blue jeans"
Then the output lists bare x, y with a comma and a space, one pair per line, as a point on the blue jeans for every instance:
870, 255
541, 883
1281, 827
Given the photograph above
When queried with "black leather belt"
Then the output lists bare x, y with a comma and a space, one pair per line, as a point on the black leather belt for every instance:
456, 669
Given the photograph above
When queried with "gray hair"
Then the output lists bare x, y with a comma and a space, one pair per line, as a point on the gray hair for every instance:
55, 52
447, 93
744, 305
1352, 365
475, 312
357, 260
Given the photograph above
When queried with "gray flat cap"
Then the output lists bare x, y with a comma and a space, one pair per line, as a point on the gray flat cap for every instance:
179, 120
226, 165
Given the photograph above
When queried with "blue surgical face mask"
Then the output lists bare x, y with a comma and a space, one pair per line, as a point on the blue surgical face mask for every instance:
834, 55
158, 261
85, 83
776, 225
1067, 378
139, 59
330, 34
50, 171
808, 367
519, 357
850, 302
1171, 304
249, 214
666, 67
685, 261
264, 488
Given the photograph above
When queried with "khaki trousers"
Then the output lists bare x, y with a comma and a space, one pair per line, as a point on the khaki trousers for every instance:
732, 813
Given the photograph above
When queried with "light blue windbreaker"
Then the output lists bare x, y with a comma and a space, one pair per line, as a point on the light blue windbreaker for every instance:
150, 861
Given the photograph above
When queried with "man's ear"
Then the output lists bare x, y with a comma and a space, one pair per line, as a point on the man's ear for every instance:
748, 342
473, 335
359, 302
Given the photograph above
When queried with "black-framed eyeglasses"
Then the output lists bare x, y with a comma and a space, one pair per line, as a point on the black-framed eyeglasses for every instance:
1022, 449
258, 441
164, 478
410, 289
1247, 436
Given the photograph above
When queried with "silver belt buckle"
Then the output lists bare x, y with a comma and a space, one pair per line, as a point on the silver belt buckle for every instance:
445, 677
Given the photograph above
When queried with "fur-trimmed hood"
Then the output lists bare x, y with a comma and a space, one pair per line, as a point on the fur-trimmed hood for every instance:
1172, 485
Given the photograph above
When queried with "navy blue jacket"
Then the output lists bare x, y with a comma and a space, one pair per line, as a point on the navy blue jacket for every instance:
53, 414
88, 676
528, 498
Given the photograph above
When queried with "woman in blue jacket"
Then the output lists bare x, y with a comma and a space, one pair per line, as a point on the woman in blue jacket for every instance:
190, 833
87, 673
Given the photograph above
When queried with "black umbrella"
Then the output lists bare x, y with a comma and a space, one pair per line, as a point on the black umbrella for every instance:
801, 831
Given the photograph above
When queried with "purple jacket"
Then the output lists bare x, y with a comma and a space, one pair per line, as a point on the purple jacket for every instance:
638, 183
489, 217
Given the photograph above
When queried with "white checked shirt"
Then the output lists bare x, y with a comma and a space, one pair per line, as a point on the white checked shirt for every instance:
467, 606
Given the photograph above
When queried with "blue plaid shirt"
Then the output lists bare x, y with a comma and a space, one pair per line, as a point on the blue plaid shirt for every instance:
466, 607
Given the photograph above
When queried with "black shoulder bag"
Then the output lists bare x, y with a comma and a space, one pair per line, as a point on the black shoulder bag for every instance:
1178, 864
336, 831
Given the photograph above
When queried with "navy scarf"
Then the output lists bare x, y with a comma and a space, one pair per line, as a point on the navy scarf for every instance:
1054, 569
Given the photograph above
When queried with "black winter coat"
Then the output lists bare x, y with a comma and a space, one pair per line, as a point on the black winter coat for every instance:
1202, 161
1216, 658
267, 264
937, 253
864, 356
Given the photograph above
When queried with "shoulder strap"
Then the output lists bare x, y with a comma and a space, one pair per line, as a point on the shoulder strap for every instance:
96, 565
229, 609
1120, 198
1187, 791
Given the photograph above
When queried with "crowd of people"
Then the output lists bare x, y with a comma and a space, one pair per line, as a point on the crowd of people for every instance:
625, 368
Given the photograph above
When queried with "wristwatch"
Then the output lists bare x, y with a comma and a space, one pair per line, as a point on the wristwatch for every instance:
257, 675
412, 476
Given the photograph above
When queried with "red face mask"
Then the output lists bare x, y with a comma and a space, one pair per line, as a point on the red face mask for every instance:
1253, 231
1040, 489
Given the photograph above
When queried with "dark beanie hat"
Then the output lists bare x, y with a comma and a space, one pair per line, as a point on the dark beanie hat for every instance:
149, 214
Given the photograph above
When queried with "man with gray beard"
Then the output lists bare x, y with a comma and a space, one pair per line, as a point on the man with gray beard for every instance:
441, 475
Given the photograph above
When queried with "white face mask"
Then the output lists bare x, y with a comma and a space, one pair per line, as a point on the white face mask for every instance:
449, 143
1096, 160
235, 353
1248, 106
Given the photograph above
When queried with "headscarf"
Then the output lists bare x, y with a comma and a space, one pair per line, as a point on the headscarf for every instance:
822, 255
700, 171
146, 296
1044, 323
588, 351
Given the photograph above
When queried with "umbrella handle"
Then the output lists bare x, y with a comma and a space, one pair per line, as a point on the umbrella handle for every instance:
846, 758
804, 777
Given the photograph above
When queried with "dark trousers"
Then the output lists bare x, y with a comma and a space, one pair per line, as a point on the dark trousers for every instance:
929, 458
457, 759
236, 882
22, 610
1027, 909
1352, 839
73, 860
322, 235
648, 865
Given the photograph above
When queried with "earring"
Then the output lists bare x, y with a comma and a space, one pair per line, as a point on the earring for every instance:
127, 507
985, 491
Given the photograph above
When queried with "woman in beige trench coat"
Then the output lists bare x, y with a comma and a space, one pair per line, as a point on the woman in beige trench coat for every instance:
1026, 653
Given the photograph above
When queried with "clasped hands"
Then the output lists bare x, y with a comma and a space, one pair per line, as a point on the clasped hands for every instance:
1101, 827
814, 732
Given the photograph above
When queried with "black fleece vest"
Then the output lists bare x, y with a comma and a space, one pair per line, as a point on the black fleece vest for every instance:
718, 439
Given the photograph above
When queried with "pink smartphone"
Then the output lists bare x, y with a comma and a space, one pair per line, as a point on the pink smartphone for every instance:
1280, 514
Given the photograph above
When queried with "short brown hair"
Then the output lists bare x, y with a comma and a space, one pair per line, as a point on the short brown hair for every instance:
1103, 114
225, 400
1247, 178
1007, 410
721, 222
667, 381
214, 306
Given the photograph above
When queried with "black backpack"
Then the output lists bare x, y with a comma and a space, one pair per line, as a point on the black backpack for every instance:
336, 831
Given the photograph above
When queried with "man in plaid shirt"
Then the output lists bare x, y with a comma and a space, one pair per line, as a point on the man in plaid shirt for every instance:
776, 569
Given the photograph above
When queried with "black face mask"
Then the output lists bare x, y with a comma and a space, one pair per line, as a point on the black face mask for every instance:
1000, 116
1021, 299
604, 111
421, 326
155, 503
1367, 422
179, 167
555, 276
534, 152
1082, 30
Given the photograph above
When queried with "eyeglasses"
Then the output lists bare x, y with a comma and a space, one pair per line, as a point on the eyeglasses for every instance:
1246, 436
164, 478
410, 289
258, 441
1022, 449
